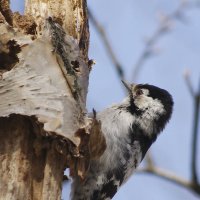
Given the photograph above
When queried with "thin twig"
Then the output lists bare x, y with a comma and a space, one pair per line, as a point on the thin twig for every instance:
148, 52
162, 30
188, 83
162, 173
166, 175
195, 136
107, 44
196, 99
149, 160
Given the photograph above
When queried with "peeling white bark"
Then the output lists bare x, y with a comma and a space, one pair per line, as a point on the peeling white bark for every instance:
37, 87
42, 98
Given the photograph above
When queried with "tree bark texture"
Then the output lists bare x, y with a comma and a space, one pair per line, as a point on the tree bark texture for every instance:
31, 168
43, 86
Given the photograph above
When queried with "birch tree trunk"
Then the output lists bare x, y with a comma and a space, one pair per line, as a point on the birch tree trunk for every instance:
43, 86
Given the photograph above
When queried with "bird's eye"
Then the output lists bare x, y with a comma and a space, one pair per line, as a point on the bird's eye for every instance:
139, 92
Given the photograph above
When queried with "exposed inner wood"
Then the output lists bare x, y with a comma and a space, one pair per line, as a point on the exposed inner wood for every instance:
31, 168
40, 70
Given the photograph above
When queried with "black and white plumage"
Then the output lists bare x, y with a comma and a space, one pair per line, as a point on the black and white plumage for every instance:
129, 128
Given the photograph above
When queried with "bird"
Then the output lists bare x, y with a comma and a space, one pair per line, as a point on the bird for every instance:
129, 127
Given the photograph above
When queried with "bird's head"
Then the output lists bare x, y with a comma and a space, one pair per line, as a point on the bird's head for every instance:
150, 104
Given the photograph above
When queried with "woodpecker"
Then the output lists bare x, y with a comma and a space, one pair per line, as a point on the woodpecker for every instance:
129, 128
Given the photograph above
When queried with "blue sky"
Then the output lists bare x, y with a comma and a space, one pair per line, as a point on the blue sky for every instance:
128, 25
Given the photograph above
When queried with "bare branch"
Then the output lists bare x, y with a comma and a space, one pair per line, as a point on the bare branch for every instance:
166, 175
195, 136
107, 44
196, 100
149, 160
161, 173
163, 28
188, 82
148, 51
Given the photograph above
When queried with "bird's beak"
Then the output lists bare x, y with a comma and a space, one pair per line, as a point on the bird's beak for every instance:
127, 86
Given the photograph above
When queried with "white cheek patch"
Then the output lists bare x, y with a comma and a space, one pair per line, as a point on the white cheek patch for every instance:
145, 92
149, 104
152, 109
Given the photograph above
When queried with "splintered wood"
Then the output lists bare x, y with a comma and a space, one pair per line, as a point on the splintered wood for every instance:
44, 72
